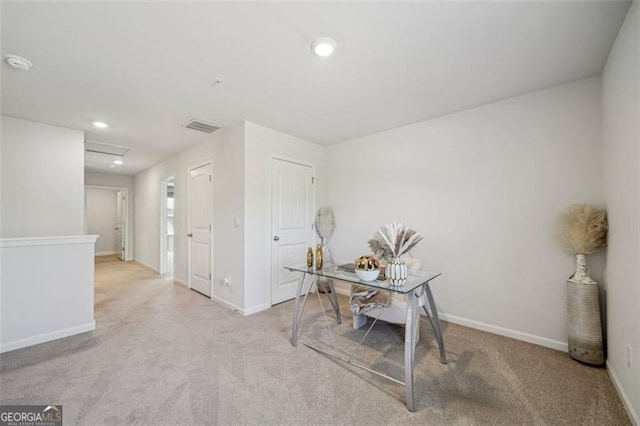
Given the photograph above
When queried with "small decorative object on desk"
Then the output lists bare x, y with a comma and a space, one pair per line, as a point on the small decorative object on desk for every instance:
310, 258
319, 256
390, 243
584, 229
367, 268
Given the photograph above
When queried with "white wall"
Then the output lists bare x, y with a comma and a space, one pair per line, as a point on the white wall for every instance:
46, 279
42, 179
47, 289
621, 141
102, 219
226, 149
485, 188
146, 206
262, 144
117, 181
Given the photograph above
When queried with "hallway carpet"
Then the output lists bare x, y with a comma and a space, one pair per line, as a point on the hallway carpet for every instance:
162, 354
107, 258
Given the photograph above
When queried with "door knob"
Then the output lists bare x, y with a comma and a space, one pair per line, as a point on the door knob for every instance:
276, 238
189, 235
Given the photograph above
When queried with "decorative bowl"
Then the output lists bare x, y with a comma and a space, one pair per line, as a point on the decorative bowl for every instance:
367, 263
368, 275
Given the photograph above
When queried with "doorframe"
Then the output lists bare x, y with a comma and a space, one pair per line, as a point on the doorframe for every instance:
162, 264
127, 250
313, 208
189, 169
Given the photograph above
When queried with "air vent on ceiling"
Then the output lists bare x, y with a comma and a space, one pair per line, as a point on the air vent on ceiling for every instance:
201, 126
105, 148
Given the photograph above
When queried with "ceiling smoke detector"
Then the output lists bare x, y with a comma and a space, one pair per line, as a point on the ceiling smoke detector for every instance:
18, 62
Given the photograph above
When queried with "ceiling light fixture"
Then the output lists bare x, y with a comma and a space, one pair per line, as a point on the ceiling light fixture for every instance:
118, 162
100, 124
323, 46
18, 62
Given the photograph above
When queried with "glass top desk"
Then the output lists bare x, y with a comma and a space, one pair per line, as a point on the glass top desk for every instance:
415, 286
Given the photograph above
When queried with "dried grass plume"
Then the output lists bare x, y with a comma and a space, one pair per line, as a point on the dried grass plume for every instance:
584, 228
393, 240
325, 222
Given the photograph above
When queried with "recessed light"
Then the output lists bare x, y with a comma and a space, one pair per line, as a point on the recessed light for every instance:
100, 124
118, 162
18, 62
323, 46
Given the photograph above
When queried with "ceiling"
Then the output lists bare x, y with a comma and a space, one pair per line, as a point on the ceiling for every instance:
146, 68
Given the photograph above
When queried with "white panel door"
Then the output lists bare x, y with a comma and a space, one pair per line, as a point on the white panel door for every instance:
121, 224
200, 209
292, 216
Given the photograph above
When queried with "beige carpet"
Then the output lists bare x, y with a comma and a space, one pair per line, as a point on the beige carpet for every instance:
162, 354
107, 258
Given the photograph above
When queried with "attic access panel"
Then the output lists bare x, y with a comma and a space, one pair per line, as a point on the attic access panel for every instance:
105, 148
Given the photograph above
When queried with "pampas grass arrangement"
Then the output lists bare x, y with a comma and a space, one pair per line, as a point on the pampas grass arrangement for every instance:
379, 248
325, 222
584, 228
393, 240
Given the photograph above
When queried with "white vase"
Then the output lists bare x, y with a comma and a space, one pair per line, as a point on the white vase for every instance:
582, 272
396, 271
326, 253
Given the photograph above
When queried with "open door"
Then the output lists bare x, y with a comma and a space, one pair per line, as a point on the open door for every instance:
121, 224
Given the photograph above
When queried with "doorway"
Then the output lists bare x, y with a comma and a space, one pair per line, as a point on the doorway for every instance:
292, 212
106, 213
121, 218
167, 226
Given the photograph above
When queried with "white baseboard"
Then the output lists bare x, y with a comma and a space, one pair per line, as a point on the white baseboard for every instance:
501, 331
244, 312
146, 265
47, 337
179, 281
105, 253
229, 305
507, 332
255, 309
633, 415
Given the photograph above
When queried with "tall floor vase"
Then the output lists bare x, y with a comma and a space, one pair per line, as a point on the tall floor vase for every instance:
584, 326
